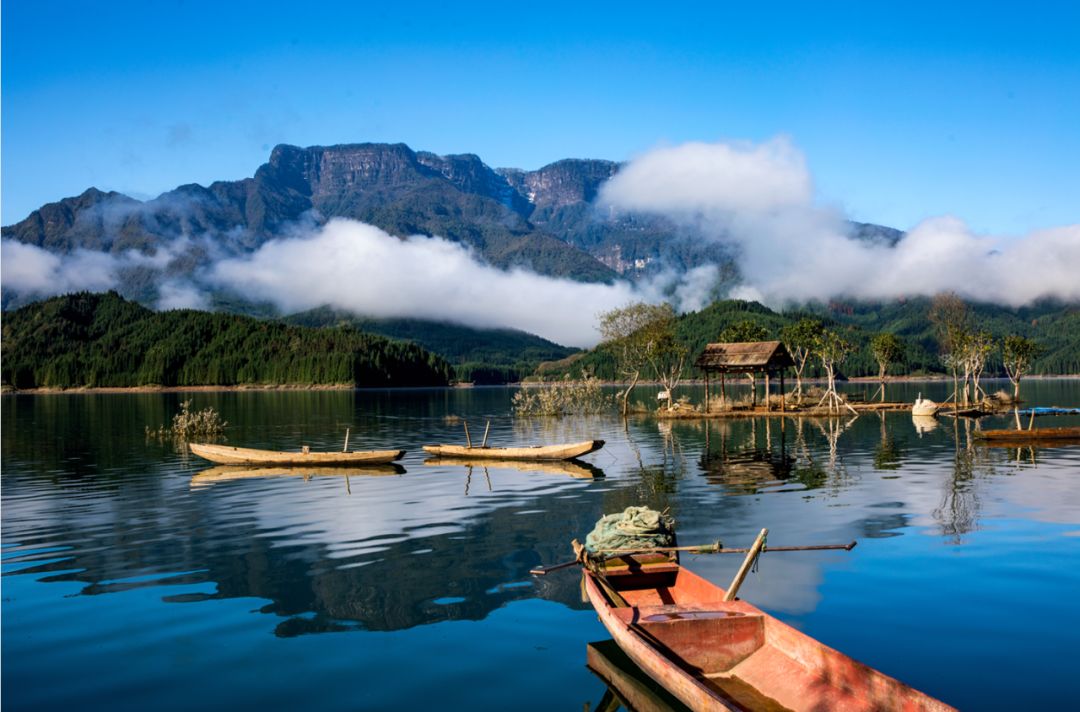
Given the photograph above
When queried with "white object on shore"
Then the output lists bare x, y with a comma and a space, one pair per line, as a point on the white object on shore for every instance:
663, 395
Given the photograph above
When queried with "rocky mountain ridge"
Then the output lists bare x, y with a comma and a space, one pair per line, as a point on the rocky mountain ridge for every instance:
545, 220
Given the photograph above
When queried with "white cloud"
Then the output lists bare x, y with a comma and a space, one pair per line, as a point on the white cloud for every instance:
759, 199
358, 267
32, 270
180, 295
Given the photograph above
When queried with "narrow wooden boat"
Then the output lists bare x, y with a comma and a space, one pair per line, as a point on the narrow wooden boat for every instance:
718, 655
228, 473
226, 455
573, 468
1032, 435
566, 451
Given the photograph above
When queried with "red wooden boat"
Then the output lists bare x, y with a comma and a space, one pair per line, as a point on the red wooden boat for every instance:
717, 655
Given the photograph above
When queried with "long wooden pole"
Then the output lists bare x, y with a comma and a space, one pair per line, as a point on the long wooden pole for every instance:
755, 551
486, 429
346, 448
716, 549
702, 549
468, 440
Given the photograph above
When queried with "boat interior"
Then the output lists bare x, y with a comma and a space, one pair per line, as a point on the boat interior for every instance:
736, 650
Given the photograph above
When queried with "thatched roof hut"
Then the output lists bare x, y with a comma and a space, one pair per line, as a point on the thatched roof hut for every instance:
748, 357
751, 357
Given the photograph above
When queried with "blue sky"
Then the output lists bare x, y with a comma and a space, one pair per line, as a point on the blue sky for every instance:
903, 110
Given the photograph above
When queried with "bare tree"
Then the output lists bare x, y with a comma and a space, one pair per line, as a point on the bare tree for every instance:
977, 349
799, 338
832, 348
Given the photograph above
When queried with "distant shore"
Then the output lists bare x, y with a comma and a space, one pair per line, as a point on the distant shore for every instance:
735, 379
180, 389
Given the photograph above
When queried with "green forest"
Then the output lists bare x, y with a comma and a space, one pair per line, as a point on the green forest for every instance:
103, 340
480, 356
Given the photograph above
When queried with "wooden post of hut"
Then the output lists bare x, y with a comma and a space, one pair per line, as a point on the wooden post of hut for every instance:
783, 396
766, 391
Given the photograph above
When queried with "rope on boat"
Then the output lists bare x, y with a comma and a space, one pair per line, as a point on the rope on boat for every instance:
757, 559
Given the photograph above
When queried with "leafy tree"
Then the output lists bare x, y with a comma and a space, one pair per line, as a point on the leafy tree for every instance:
665, 354
1018, 353
799, 338
630, 334
744, 331
887, 348
951, 319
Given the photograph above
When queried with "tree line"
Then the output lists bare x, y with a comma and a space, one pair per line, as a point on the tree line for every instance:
103, 340
650, 341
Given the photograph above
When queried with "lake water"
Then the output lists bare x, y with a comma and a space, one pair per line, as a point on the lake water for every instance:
130, 583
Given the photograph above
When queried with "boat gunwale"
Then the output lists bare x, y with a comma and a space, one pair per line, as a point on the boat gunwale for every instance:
562, 451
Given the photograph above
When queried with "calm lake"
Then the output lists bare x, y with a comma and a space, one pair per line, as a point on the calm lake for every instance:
130, 582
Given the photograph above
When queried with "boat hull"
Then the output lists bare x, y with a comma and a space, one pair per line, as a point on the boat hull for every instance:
718, 655
566, 451
225, 455
1024, 436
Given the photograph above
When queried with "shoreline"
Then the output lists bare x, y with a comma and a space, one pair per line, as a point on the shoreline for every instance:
522, 384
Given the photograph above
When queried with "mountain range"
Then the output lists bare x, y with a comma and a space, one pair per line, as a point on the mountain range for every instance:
545, 220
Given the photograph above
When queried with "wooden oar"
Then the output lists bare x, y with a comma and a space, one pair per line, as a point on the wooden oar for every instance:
701, 549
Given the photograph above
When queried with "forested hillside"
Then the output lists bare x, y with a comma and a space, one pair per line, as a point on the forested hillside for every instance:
103, 340
482, 356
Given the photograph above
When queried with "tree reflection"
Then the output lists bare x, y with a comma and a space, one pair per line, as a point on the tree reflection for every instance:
888, 453
958, 513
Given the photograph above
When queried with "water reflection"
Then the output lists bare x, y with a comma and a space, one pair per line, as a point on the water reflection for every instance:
229, 473
578, 469
958, 511
94, 516
888, 455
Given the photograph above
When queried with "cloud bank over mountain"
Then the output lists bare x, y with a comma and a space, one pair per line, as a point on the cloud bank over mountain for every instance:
483, 267
354, 266
759, 199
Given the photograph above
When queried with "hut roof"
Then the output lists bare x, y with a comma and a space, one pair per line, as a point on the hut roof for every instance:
745, 357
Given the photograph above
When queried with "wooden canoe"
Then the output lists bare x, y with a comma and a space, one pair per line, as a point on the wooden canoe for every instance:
717, 655
566, 451
228, 473
225, 455
1025, 436
573, 468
